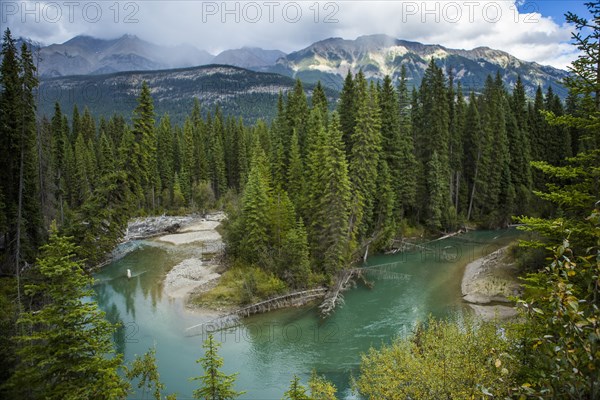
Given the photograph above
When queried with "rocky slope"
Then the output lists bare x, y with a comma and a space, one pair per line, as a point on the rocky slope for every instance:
379, 55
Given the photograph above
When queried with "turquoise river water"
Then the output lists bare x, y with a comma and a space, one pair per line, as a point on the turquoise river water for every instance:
268, 349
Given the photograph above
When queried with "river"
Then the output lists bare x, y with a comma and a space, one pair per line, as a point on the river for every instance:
268, 349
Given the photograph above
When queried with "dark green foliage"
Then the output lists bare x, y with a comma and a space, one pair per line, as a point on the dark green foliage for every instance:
405, 179
145, 369
365, 148
329, 200
19, 187
144, 148
64, 344
432, 135
384, 215
347, 110
561, 348
585, 77
255, 212
319, 100
216, 385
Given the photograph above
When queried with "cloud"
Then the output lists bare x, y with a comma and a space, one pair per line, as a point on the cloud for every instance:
218, 25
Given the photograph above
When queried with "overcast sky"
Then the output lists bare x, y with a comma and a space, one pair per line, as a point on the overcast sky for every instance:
530, 30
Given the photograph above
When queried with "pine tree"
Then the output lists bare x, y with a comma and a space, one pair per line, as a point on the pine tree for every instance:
145, 369
255, 211
75, 123
217, 168
295, 256
63, 354
520, 147
178, 198
164, 159
390, 132
144, 148
558, 145
329, 233
296, 391
215, 384
29, 212
347, 110
585, 71
474, 147
10, 98
83, 189
431, 127
456, 127
129, 163
405, 188
435, 183
384, 221
88, 126
296, 112
319, 101
364, 157
187, 160
295, 173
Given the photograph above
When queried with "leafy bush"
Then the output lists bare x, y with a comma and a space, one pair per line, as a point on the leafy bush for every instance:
445, 360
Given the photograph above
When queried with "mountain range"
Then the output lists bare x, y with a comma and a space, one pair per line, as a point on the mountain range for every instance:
106, 75
379, 55
328, 60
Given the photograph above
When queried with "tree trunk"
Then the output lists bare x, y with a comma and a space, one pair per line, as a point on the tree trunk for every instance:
473, 189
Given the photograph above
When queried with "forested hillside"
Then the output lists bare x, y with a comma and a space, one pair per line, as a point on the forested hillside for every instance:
237, 91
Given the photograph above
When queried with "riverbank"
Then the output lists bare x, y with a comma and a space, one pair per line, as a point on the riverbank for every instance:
192, 275
489, 282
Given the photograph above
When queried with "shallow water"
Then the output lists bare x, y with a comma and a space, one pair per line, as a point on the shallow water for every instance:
268, 349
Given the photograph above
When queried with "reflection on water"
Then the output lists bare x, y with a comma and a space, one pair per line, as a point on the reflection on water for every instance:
268, 349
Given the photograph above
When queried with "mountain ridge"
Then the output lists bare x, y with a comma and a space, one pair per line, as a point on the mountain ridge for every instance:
378, 55
327, 60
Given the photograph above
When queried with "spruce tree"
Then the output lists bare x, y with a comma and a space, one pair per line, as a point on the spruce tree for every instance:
431, 128
296, 391
474, 147
295, 257
145, 369
405, 188
29, 212
187, 160
364, 157
144, 148
217, 168
520, 147
585, 71
329, 234
435, 183
215, 384
256, 203
164, 159
63, 352
347, 110
390, 131
296, 112
384, 215
319, 100
295, 174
